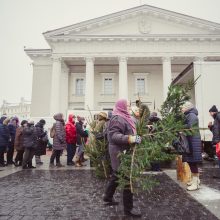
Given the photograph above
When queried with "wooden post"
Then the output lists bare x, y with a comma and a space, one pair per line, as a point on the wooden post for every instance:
183, 170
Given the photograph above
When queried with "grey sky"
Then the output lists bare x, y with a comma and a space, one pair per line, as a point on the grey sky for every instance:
22, 23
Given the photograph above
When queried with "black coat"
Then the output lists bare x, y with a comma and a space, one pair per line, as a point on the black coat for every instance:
41, 140
80, 133
12, 131
30, 137
4, 135
195, 144
215, 129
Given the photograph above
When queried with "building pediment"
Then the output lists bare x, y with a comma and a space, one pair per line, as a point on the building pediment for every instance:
140, 21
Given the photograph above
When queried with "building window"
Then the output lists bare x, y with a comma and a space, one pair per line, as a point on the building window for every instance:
80, 87
140, 85
108, 86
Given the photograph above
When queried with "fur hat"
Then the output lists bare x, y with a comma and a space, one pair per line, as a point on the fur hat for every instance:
213, 109
103, 114
188, 105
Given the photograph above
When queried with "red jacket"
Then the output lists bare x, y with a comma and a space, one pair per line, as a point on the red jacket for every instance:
70, 130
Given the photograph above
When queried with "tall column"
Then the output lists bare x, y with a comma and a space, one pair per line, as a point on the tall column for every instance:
167, 75
123, 78
55, 86
89, 89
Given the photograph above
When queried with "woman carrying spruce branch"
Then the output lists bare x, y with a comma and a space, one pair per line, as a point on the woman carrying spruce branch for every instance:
121, 137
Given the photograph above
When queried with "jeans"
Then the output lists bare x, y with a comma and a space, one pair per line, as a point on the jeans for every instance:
71, 150
127, 194
55, 154
193, 167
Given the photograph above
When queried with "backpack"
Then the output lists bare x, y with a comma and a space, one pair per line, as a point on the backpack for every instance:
53, 131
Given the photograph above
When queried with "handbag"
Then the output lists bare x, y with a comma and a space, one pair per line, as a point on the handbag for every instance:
182, 145
218, 150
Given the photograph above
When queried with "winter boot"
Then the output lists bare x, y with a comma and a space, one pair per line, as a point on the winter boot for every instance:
195, 184
190, 182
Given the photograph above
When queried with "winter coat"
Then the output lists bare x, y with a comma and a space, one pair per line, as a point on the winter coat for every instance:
118, 131
4, 135
19, 138
42, 140
30, 137
80, 133
59, 140
12, 131
215, 129
70, 131
195, 144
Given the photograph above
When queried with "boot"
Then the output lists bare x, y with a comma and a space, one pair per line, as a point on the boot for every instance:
195, 184
190, 182
133, 213
60, 165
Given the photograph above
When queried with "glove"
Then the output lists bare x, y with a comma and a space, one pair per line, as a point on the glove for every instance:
134, 139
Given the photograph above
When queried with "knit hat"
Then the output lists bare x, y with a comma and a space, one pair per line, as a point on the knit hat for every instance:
188, 105
213, 109
23, 122
42, 121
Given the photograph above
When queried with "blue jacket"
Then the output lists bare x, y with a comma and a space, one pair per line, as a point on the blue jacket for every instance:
4, 135
195, 144
12, 132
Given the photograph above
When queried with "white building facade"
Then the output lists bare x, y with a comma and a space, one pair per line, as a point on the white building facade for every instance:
21, 109
131, 53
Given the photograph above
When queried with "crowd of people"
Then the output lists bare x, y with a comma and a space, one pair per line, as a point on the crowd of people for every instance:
119, 126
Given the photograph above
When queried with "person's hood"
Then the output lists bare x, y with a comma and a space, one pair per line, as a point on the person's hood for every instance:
192, 110
39, 124
58, 117
71, 118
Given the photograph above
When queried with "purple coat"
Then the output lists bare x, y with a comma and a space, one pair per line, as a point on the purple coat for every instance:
118, 131
59, 140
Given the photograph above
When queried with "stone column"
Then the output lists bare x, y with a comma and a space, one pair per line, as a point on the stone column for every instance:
123, 78
167, 75
55, 86
89, 88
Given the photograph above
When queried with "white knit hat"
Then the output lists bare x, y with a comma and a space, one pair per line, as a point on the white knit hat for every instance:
188, 105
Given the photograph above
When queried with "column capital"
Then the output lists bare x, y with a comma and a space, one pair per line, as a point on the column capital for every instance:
199, 59
166, 59
89, 59
56, 59
122, 59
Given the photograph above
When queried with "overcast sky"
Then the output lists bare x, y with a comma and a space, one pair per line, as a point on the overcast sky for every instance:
22, 23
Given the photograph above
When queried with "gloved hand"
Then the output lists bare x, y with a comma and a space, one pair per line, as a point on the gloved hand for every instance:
134, 139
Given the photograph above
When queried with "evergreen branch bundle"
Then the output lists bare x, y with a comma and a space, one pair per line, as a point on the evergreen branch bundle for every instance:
155, 147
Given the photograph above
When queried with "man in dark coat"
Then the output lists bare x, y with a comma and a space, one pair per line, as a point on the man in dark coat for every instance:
215, 129
41, 141
81, 134
30, 144
4, 138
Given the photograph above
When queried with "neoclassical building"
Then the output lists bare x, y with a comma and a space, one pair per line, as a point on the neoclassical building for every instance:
131, 53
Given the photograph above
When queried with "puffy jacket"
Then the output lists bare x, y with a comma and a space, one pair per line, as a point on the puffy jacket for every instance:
30, 137
59, 140
12, 131
215, 128
70, 130
4, 135
195, 144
